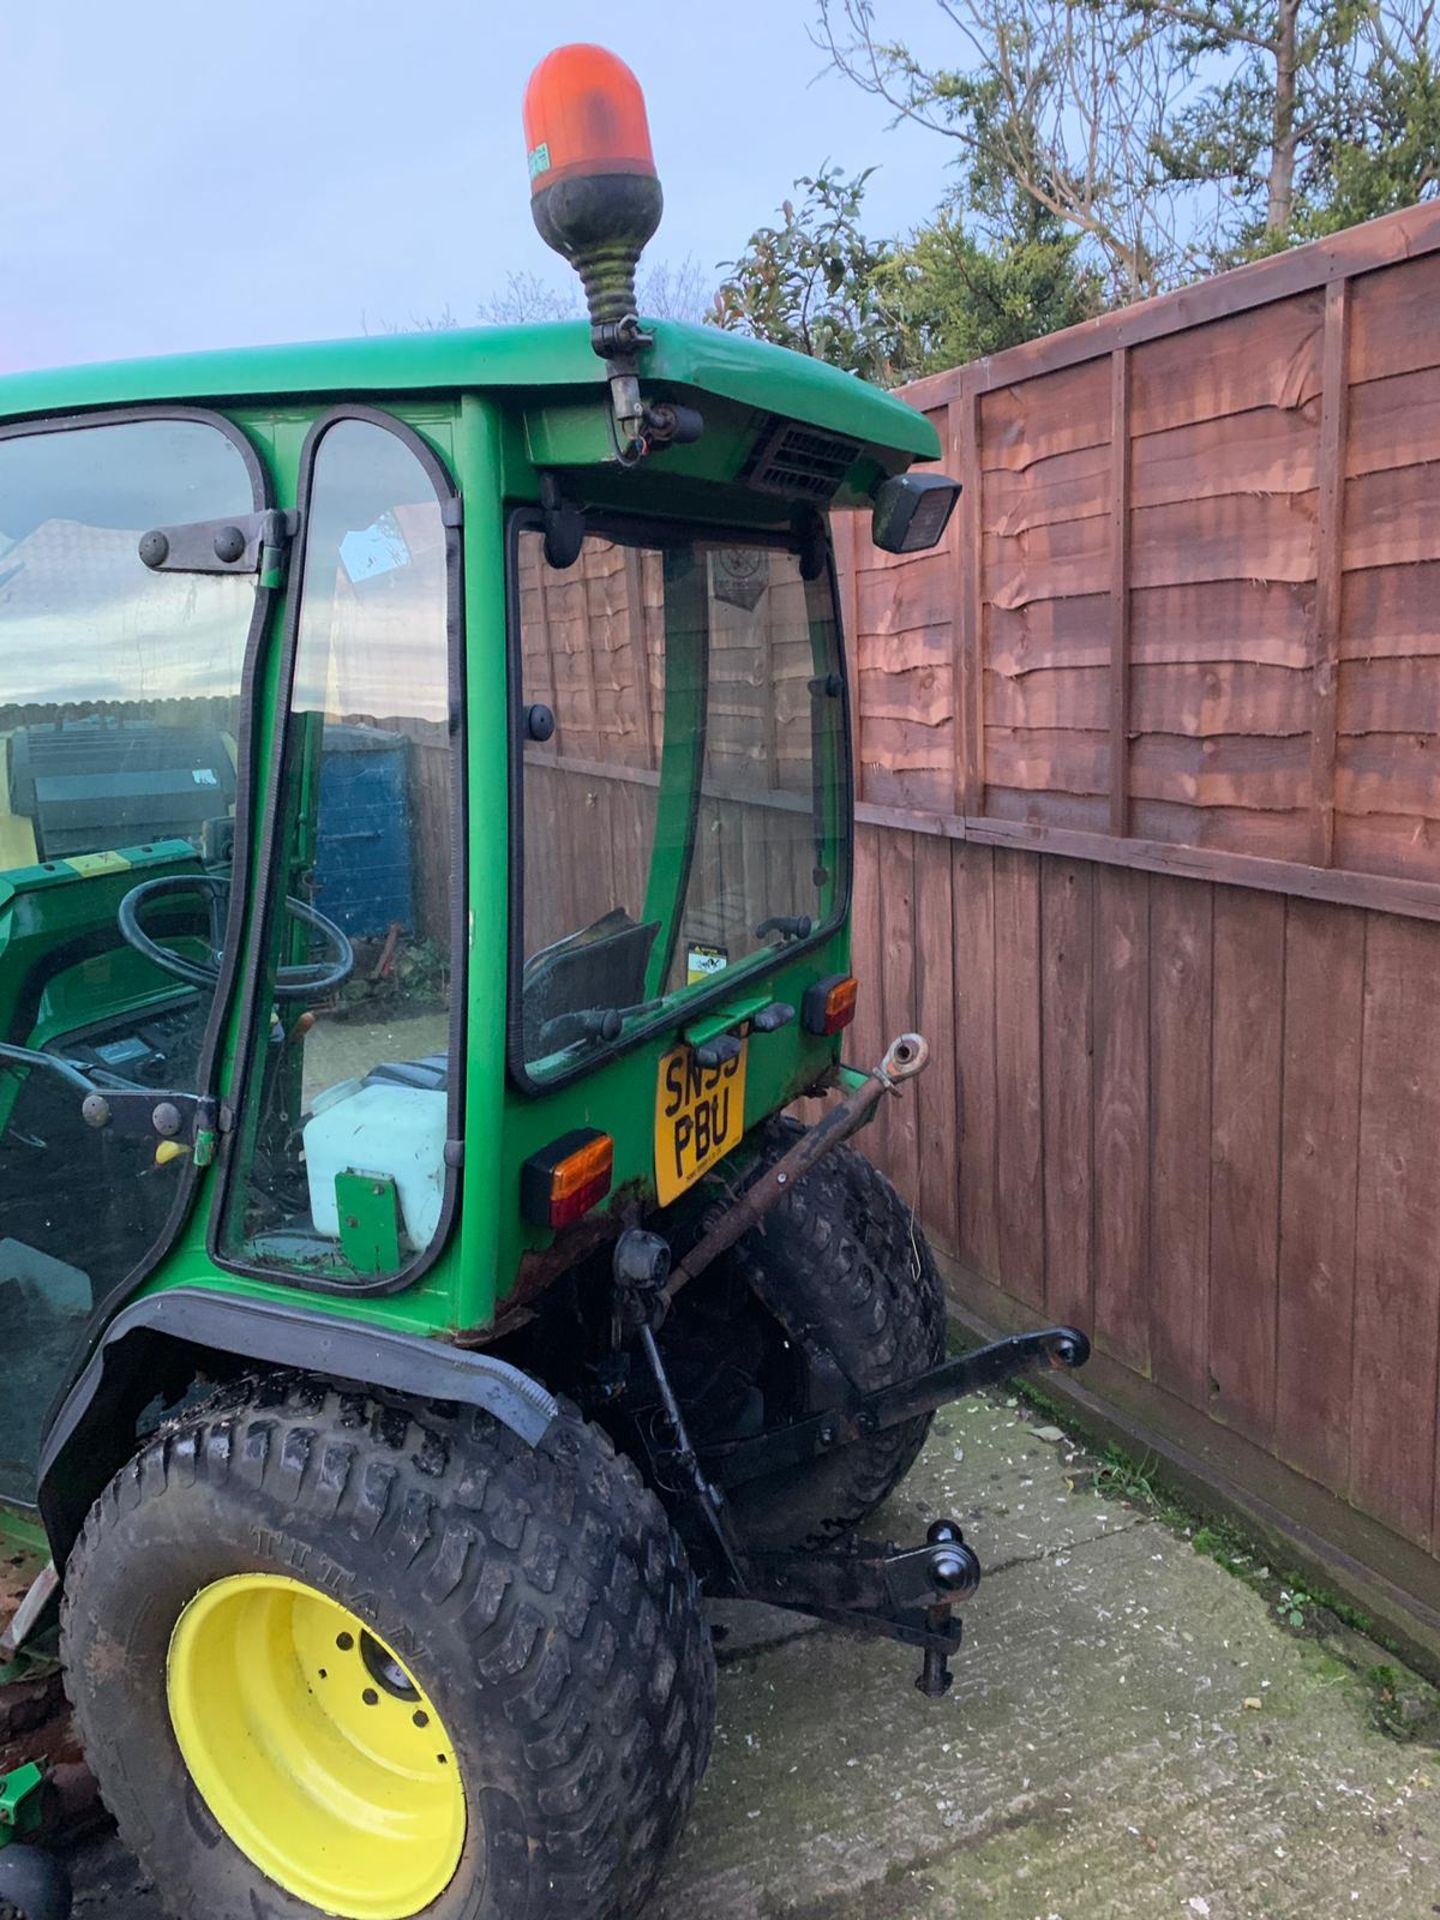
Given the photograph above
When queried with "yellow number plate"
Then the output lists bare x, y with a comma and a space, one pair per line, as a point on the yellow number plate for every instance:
699, 1117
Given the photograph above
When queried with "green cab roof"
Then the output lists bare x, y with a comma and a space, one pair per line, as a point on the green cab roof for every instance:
558, 355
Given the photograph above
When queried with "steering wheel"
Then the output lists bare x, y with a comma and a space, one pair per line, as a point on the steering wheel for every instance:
291, 983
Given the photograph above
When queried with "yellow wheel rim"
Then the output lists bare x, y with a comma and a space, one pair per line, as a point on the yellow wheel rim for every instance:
315, 1749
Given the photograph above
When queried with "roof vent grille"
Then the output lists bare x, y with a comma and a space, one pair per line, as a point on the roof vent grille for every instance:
799, 462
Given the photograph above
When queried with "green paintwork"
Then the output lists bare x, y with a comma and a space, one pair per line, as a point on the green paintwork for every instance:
495, 405
706, 360
20, 1806
369, 1222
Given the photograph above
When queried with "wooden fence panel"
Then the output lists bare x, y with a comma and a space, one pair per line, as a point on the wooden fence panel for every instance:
1149, 795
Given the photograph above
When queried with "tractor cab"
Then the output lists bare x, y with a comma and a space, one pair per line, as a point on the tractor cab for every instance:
424, 814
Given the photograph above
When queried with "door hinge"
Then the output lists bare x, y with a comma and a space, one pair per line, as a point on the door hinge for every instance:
246, 543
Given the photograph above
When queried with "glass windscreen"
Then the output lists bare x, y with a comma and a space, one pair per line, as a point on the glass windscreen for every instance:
684, 770
119, 717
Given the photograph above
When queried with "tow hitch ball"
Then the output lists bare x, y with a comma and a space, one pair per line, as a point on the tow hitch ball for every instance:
955, 1570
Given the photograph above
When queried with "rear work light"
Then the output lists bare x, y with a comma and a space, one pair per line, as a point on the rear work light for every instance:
562, 1182
829, 1005
912, 512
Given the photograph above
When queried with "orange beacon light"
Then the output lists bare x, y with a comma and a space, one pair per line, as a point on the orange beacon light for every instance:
594, 190
585, 114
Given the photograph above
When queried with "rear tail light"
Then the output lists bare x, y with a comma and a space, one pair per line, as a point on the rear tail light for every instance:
829, 1005
562, 1182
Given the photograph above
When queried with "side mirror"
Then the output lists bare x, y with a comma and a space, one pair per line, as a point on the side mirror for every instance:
912, 511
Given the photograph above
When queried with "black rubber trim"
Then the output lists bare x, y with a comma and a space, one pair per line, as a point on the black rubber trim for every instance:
262, 493
447, 498
629, 529
78, 1456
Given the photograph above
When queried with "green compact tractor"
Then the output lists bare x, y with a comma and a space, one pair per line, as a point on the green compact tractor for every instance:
425, 855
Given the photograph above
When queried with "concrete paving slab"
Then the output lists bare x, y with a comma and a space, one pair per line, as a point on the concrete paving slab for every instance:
1132, 1733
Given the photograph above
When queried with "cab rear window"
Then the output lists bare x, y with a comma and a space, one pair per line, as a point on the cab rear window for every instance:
683, 779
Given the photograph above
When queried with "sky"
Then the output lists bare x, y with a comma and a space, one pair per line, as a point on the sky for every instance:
187, 175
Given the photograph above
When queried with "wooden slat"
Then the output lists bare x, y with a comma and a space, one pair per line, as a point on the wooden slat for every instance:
1397, 1235
1267, 357
1389, 696
1070, 558
1389, 773
1391, 611
1049, 633
1048, 757
1062, 486
1324, 1004
1119, 768
1019, 1175
1267, 536
1122, 1122
1262, 621
1181, 964
1392, 518
1067, 891
1245, 1171
934, 1013
1330, 536
1394, 422
1042, 419
1223, 697
1263, 450
896, 593
1385, 848
1050, 697
1083, 813
1395, 312
973, 883
964, 433
1272, 835
1226, 770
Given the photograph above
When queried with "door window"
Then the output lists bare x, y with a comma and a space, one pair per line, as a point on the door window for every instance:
119, 771
341, 1175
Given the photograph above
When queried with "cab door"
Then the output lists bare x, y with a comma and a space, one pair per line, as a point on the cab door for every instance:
342, 1162
130, 599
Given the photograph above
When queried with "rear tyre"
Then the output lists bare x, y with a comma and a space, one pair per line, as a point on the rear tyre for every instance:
329, 1655
840, 1264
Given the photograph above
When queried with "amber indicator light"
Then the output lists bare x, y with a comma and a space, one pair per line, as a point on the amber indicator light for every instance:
829, 1005
562, 1182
